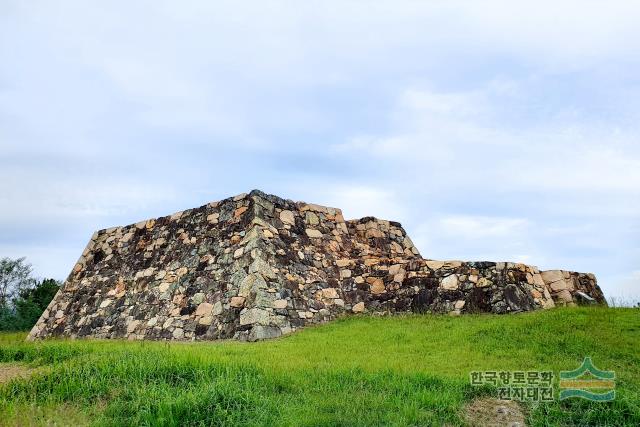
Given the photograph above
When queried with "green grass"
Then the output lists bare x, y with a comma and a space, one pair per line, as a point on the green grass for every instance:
409, 370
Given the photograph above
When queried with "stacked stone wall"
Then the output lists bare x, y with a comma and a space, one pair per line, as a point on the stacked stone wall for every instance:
257, 266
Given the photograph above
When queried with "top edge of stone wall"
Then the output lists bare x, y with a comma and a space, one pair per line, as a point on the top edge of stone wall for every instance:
256, 195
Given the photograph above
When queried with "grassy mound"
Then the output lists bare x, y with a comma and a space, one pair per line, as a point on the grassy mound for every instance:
411, 370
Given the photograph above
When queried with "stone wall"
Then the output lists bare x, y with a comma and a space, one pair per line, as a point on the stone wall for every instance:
257, 266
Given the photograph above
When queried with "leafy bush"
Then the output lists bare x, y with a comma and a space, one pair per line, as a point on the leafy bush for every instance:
23, 309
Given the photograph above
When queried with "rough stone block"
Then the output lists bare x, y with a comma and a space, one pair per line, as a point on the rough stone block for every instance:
256, 266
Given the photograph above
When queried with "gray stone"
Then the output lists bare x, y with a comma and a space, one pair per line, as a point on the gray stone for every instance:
251, 284
450, 282
315, 234
358, 308
287, 217
237, 302
254, 316
226, 268
260, 332
198, 298
281, 303
261, 267
204, 309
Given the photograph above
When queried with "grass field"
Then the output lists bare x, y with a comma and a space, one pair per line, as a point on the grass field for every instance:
410, 370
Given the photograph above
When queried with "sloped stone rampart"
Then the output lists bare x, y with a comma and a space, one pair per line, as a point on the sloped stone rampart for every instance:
257, 266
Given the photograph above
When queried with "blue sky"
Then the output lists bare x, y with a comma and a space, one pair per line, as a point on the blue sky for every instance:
491, 130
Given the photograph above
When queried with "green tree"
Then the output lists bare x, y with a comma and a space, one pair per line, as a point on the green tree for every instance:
15, 275
31, 302
42, 293
22, 298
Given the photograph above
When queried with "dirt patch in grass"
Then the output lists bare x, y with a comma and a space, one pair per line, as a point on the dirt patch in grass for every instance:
9, 371
25, 414
489, 412
49, 415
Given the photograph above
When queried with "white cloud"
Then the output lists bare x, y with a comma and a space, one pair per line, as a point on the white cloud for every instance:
495, 130
355, 201
470, 130
624, 290
473, 227
49, 261
475, 238
456, 104
562, 193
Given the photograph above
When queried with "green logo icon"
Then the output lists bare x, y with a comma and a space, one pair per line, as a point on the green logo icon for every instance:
588, 382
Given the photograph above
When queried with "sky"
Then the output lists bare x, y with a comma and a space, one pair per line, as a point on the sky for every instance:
493, 130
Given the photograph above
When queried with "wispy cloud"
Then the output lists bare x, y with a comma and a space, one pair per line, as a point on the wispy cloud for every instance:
490, 130
472, 227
